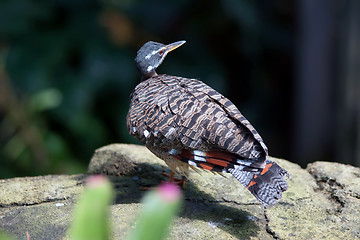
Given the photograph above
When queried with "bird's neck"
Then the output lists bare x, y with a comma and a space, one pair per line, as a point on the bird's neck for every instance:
145, 76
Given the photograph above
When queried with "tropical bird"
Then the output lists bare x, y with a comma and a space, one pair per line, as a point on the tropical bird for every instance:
189, 125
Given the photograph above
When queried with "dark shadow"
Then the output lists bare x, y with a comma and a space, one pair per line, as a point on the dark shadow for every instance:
197, 205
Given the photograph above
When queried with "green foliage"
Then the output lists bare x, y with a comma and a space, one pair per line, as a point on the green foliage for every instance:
4, 236
60, 66
91, 218
160, 207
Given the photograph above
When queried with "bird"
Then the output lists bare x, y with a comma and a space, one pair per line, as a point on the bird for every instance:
191, 126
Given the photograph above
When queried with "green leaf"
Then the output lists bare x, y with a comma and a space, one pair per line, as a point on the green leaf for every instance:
45, 100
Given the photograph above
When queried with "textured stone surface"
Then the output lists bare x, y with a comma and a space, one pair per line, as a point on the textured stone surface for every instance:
322, 201
41, 205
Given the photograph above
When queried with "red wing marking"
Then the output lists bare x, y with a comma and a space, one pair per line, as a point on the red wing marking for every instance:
220, 158
217, 162
266, 168
221, 155
213, 160
252, 183
207, 166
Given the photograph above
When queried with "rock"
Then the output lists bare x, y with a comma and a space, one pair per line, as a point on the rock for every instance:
322, 201
341, 184
41, 205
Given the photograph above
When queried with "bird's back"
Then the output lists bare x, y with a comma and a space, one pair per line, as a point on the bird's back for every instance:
169, 111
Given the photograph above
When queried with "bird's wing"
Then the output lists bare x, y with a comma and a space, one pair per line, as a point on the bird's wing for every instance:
181, 113
232, 112
225, 114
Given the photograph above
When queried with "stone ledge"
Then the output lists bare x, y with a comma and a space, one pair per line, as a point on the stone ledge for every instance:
321, 202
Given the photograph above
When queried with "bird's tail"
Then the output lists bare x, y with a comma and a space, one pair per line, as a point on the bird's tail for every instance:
266, 185
265, 180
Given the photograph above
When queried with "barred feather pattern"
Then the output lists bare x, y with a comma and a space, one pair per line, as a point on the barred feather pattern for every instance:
183, 120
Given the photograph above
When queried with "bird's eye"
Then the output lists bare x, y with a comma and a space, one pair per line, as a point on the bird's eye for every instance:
161, 52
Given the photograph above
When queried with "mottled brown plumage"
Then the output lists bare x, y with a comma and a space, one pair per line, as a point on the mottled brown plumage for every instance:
170, 112
188, 124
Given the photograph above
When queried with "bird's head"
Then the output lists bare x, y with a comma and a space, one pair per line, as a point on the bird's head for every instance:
151, 55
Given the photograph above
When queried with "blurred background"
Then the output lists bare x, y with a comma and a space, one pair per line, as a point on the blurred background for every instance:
67, 70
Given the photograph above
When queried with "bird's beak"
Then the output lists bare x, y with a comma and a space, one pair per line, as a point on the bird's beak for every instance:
174, 46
